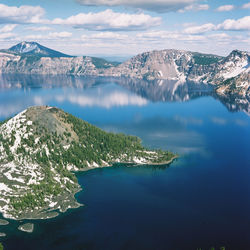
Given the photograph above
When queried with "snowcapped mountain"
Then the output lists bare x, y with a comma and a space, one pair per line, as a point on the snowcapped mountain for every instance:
184, 66
233, 65
233, 75
33, 48
170, 64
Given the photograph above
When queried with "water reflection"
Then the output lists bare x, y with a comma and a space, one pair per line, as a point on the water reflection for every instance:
105, 92
170, 133
198, 189
103, 99
166, 90
235, 103
12, 81
17, 92
170, 91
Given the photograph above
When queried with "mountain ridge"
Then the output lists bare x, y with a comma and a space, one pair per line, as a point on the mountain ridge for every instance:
34, 48
168, 64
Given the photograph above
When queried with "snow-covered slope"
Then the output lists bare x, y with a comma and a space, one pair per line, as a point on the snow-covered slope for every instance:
165, 64
40, 147
174, 65
236, 63
35, 49
168, 65
183, 65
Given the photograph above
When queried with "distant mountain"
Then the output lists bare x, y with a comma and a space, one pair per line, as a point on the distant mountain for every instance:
42, 147
33, 48
183, 66
176, 65
231, 73
168, 65
33, 58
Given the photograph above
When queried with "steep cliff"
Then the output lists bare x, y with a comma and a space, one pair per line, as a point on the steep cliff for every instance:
231, 72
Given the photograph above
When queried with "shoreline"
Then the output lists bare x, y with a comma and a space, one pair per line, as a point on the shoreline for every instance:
129, 163
47, 213
27, 227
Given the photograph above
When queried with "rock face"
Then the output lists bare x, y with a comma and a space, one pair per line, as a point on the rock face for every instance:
176, 65
233, 81
33, 58
238, 62
13, 64
239, 85
168, 64
184, 66
39, 149
237, 91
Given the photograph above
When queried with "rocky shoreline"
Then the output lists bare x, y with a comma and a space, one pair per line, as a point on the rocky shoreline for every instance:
61, 207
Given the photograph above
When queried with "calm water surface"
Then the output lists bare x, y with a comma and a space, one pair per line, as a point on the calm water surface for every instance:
201, 200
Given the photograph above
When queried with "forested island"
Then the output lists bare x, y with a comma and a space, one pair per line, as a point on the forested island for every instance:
43, 147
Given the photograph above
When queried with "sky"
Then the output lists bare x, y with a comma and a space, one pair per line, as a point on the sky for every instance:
127, 27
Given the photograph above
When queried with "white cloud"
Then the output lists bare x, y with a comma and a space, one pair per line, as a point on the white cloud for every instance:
8, 28
219, 36
109, 20
22, 14
106, 36
225, 8
175, 38
50, 36
159, 6
194, 7
34, 37
229, 24
159, 34
200, 29
166, 36
246, 6
63, 34
41, 28
8, 35
232, 24
192, 38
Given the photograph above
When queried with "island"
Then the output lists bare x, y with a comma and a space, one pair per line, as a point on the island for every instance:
41, 150
28, 227
3, 222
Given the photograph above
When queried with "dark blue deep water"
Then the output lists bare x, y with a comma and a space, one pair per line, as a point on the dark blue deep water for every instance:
202, 200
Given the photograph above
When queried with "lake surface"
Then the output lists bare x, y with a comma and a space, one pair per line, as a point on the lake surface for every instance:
202, 200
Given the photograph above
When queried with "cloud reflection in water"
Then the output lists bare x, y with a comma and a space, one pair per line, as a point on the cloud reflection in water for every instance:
104, 100
175, 133
17, 100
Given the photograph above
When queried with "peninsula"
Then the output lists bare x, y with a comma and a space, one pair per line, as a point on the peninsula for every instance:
43, 147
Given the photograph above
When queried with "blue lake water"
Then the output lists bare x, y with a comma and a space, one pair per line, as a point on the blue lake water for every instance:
202, 200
